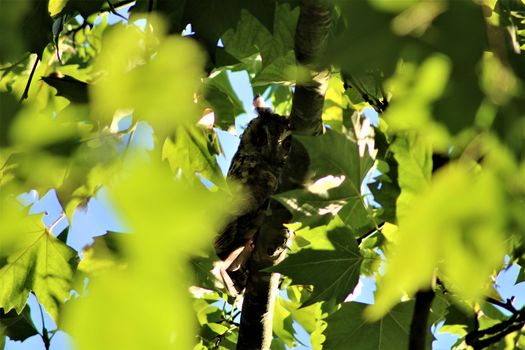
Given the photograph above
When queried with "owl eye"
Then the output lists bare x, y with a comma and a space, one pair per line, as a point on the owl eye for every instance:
287, 142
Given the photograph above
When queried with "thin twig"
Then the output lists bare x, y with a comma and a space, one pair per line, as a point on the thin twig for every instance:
114, 11
369, 233
28, 84
507, 305
44, 335
53, 225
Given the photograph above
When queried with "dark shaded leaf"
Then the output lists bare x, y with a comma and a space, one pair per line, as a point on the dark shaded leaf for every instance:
68, 87
367, 32
9, 107
347, 329
331, 264
209, 18
17, 327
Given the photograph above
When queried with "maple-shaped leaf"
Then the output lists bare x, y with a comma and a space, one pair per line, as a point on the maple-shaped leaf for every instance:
275, 45
348, 329
191, 152
15, 326
40, 263
331, 263
337, 171
209, 19
221, 97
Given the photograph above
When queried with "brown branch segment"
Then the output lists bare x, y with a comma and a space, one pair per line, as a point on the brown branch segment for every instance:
259, 298
310, 41
480, 339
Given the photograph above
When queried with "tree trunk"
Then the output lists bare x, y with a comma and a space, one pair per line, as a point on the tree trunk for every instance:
259, 298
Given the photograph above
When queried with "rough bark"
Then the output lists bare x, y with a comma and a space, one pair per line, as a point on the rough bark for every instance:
259, 298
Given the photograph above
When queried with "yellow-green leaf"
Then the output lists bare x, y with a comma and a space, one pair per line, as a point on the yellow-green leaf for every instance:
455, 228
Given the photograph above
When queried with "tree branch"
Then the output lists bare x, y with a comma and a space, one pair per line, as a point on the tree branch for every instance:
259, 298
419, 325
310, 41
480, 339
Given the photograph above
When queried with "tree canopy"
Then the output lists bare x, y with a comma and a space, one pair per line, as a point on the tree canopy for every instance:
427, 200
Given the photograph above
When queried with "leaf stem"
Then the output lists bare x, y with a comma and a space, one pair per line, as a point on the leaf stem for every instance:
53, 225
28, 84
369, 233
44, 335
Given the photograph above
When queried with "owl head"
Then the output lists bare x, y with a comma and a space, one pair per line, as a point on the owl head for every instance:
269, 135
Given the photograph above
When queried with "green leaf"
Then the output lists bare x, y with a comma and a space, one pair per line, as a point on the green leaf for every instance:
275, 45
463, 94
439, 307
368, 33
223, 100
414, 168
466, 238
191, 153
9, 107
459, 320
16, 326
44, 265
26, 26
282, 323
202, 270
211, 18
347, 329
337, 171
105, 253
178, 224
85, 8
69, 87
132, 71
331, 263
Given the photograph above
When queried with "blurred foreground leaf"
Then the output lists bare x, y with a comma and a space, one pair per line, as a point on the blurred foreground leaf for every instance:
454, 227
171, 221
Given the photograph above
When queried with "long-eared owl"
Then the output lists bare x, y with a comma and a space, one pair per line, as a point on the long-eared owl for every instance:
257, 166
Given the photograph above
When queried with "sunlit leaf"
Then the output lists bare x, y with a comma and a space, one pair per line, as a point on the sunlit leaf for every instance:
37, 262
282, 323
333, 157
191, 153
464, 243
145, 71
104, 254
416, 88
331, 263
414, 168
178, 224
